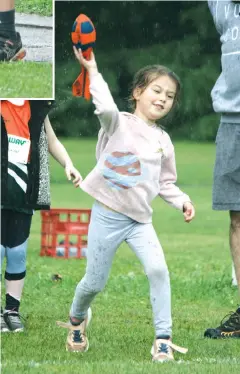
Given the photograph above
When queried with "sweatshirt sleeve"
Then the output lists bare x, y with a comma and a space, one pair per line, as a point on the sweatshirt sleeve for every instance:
106, 109
168, 177
101, 143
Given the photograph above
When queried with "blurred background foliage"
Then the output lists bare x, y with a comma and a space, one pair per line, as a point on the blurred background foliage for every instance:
130, 35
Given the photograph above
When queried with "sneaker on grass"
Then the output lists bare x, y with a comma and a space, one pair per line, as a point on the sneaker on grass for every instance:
229, 328
77, 340
13, 321
11, 49
162, 350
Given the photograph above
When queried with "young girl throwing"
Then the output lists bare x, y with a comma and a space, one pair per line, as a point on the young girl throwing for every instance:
136, 163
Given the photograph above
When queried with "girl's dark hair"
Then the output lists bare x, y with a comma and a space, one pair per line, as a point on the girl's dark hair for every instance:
147, 75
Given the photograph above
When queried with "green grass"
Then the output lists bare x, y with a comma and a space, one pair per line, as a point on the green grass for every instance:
121, 331
26, 79
42, 7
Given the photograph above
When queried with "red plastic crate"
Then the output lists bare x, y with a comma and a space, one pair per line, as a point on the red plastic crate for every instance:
64, 232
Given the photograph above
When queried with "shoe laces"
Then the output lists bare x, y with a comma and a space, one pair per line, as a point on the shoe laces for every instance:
163, 348
234, 318
166, 346
77, 336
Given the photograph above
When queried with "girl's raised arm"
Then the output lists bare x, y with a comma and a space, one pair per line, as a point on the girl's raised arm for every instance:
106, 109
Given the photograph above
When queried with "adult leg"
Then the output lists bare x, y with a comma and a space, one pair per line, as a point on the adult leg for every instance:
226, 196
235, 243
226, 184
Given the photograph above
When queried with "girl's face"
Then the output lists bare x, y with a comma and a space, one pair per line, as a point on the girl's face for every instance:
156, 100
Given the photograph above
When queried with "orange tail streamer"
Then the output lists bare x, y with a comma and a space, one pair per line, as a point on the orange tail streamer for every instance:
81, 85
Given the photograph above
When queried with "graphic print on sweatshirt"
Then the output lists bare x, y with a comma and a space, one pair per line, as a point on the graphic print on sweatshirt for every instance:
129, 158
121, 169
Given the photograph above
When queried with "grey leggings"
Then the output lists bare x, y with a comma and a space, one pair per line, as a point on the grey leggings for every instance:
107, 231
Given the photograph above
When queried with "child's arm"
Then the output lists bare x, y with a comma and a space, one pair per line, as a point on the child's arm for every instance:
58, 151
106, 109
170, 192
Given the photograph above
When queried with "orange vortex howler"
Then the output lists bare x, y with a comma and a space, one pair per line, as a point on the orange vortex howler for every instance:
83, 37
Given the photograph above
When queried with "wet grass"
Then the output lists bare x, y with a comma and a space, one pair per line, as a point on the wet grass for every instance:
26, 80
41, 7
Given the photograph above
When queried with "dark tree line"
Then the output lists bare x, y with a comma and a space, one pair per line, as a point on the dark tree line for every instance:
130, 35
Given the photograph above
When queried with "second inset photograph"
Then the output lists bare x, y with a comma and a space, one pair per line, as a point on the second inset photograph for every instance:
26, 49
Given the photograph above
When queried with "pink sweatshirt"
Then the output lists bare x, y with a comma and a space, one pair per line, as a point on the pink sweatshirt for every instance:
136, 162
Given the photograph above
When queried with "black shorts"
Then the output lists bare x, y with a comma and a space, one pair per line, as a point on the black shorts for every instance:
15, 227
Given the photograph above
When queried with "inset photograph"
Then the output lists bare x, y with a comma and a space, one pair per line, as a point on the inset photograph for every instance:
26, 49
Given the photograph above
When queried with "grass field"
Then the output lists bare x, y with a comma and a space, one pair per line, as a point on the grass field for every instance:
42, 7
121, 332
26, 79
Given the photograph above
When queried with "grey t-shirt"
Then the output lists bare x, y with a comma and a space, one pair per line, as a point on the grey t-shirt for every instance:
226, 91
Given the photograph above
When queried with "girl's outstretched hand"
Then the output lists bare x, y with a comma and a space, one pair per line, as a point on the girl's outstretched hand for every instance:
188, 211
88, 64
73, 173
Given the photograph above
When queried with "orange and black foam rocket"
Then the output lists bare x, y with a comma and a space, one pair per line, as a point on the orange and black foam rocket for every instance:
83, 37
